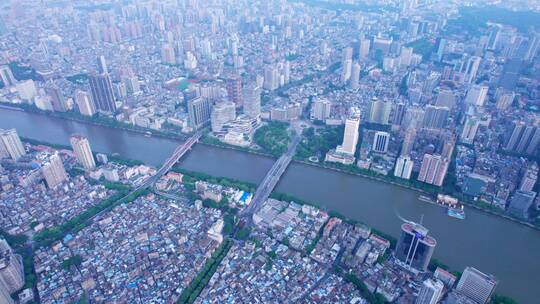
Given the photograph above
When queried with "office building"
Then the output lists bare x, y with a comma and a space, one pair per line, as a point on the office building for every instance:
252, 100
27, 90
102, 65
380, 142
83, 152
435, 117
102, 92
198, 112
404, 166
433, 169
524, 138
431, 292
320, 109
7, 76
85, 103
415, 247
476, 285
222, 113
379, 111
350, 135
469, 130
476, 95
521, 203
11, 271
11, 143
529, 178
53, 171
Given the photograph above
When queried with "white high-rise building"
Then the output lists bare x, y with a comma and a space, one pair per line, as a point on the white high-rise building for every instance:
271, 78
346, 71
469, 130
379, 111
380, 142
252, 100
27, 90
470, 69
404, 166
431, 292
355, 76
222, 113
405, 56
350, 136
364, 49
433, 169
320, 109
85, 103
53, 171
83, 152
476, 285
7, 76
477, 95
11, 143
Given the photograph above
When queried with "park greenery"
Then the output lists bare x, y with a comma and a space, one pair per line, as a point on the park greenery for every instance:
75, 260
273, 138
192, 291
422, 47
372, 298
317, 142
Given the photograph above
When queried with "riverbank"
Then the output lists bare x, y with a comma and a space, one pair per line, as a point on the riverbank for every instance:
405, 184
96, 121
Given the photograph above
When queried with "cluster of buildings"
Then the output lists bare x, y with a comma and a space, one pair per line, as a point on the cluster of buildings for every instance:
149, 250
36, 190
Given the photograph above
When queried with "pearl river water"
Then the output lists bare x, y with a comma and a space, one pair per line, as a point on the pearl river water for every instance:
508, 250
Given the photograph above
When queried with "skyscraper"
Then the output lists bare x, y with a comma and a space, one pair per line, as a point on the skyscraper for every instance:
520, 203
415, 247
234, 90
167, 55
476, 285
320, 109
404, 166
198, 112
10, 142
102, 65
7, 76
431, 292
271, 78
27, 90
408, 142
435, 117
83, 152
57, 99
11, 270
469, 69
469, 130
252, 100
53, 171
524, 138
350, 135
529, 178
363, 52
433, 169
380, 142
222, 113
477, 95
85, 103
102, 92
355, 76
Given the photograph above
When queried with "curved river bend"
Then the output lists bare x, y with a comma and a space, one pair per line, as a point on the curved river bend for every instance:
494, 245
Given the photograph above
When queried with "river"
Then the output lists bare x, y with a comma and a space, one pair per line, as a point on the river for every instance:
494, 245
